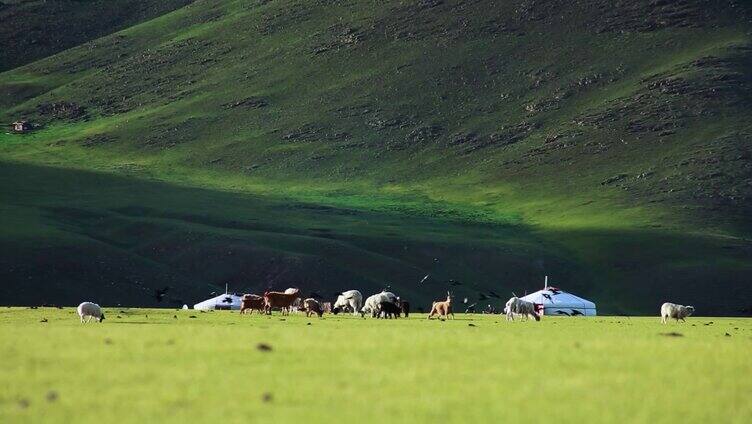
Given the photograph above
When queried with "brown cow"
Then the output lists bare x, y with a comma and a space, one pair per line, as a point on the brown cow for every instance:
251, 302
285, 301
442, 309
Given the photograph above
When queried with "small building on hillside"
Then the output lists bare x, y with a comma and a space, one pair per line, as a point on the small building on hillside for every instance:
21, 126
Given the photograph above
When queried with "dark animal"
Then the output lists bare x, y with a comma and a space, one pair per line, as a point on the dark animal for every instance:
249, 302
388, 309
404, 307
312, 306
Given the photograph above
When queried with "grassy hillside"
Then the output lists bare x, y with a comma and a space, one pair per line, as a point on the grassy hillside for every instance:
612, 136
121, 238
35, 29
118, 371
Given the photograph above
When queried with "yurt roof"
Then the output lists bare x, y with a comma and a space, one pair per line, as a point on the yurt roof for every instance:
223, 299
554, 297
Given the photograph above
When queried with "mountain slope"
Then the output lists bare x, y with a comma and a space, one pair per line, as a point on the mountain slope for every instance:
35, 29
616, 134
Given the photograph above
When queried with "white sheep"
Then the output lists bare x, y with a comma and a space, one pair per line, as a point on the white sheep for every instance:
678, 312
370, 306
518, 306
297, 302
351, 299
88, 310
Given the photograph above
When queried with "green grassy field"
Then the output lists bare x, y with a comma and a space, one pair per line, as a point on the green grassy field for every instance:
171, 366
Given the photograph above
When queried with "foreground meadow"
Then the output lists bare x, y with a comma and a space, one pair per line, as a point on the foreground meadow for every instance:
166, 365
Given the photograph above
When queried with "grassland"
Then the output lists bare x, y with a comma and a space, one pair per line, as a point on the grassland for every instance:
604, 144
176, 366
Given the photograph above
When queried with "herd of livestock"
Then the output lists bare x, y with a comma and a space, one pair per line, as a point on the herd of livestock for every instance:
380, 305
388, 305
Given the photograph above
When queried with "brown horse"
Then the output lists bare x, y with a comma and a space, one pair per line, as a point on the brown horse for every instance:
442, 309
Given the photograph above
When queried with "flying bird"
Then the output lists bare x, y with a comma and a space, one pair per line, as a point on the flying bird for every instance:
424, 279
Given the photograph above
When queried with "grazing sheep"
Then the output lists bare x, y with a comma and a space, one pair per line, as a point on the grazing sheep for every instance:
372, 303
351, 299
388, 309
312, 306
442, 309
88, 310
678, 312
518, 306
249, 302
296, 303
281, 300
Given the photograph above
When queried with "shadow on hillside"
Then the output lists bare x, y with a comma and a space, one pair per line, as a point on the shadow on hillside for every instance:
74, 235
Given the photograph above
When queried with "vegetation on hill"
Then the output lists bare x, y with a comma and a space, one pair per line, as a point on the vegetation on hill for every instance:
35, 29
611, 139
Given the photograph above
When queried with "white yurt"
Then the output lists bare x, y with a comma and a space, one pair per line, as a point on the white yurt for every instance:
555, 301
224, 301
